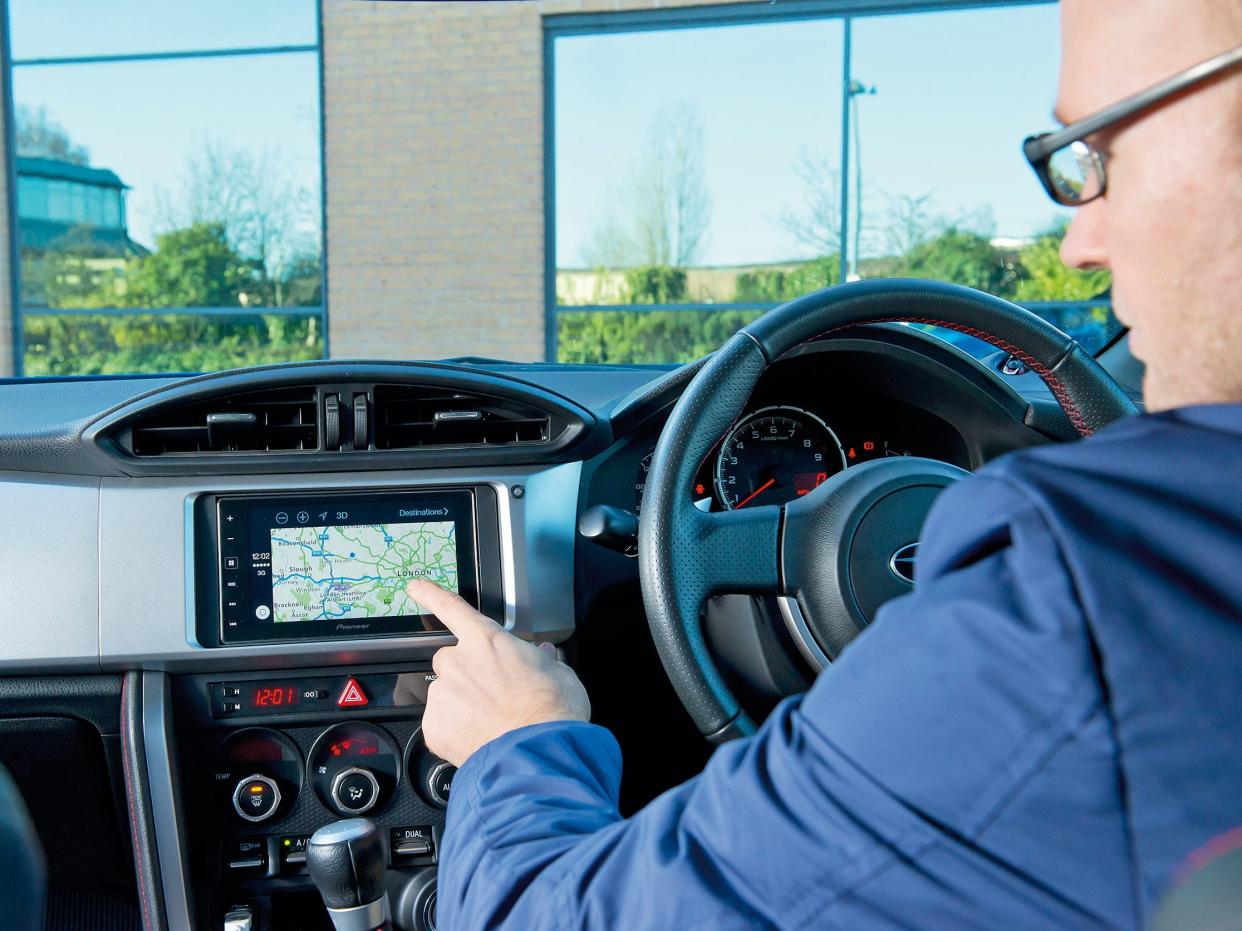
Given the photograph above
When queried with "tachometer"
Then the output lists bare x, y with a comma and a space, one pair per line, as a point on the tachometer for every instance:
775, 455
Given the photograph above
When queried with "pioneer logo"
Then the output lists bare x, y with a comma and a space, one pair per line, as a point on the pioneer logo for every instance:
353, 626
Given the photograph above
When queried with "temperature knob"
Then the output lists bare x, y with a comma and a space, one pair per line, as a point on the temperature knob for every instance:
355, 790
256, 798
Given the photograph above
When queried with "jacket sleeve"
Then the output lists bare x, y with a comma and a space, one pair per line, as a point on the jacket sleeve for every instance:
873, 791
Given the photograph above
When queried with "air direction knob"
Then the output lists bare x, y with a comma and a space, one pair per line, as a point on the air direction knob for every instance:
355, 790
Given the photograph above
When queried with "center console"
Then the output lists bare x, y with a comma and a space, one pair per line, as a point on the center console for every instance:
266, 754
269, 759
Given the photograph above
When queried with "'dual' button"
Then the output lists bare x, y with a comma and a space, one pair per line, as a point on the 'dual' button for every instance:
411, 842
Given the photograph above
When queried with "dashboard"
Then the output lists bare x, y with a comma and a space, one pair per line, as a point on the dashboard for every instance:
210, 573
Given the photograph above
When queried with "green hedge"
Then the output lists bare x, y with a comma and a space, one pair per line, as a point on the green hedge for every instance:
98, 344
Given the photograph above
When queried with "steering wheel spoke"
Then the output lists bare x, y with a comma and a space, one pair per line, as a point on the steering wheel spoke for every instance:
737, 550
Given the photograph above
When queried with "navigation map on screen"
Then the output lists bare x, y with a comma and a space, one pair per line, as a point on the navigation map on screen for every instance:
358, 571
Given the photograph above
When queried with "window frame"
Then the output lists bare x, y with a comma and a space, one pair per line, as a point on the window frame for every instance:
18, 311
569, 25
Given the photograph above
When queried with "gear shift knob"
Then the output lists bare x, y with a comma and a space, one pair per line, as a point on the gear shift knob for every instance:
347, 861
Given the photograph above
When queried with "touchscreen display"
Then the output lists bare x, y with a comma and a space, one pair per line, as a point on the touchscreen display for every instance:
357, 570
298, 567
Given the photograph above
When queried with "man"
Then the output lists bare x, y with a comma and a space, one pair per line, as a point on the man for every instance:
1046, 727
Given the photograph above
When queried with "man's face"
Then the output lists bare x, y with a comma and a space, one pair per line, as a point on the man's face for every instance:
1170, 224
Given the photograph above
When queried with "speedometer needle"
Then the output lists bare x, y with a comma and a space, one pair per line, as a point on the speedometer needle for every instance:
750, 497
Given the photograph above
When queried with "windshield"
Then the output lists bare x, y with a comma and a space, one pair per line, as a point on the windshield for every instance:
196, 185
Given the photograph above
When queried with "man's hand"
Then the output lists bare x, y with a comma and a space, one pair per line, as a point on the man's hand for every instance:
490, 683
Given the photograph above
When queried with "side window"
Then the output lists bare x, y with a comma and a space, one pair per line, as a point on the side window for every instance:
703, 175
169, 218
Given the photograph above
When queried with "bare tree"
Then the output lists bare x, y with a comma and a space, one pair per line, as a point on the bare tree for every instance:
911, 220
610, 244
672, 209
39, 136
816, 224
663, 215
267, 217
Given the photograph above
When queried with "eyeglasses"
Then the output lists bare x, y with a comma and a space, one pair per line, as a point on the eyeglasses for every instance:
1071, 169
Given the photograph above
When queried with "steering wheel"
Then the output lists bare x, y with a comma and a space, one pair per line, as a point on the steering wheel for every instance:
830, 556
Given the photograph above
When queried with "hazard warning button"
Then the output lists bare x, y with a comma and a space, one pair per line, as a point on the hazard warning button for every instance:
352, 695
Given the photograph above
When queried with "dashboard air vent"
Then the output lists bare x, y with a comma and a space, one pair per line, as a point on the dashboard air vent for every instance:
280, 419
408, 416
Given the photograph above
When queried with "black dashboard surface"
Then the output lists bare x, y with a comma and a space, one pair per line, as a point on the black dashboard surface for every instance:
45, 420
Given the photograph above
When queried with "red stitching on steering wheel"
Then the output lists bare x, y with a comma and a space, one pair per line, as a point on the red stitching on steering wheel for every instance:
1059, 391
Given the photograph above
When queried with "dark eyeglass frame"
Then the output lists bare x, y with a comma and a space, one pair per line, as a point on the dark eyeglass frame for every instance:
1040, 149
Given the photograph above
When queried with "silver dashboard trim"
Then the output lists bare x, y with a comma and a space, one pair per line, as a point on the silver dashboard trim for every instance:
49, 573
795, 622
124, 576
169, 831
146, 571
508, 571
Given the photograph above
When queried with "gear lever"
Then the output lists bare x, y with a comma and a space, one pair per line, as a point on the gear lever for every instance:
347, 860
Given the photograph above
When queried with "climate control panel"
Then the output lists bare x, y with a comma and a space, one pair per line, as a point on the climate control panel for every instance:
352, 768
267, 759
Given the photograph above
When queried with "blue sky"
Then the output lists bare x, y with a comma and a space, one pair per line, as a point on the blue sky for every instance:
70, 28
145, 120
956, 94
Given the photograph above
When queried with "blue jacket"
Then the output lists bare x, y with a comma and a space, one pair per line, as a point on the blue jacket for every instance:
1034, 738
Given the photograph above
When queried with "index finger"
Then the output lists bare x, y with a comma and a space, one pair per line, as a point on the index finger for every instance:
453, 611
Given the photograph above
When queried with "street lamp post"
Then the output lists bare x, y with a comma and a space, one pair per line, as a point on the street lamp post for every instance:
854, 90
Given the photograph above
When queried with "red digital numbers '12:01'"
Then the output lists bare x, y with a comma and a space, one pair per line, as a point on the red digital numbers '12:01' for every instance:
272, 696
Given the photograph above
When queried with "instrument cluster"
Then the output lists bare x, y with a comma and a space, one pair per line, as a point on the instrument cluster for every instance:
780, 449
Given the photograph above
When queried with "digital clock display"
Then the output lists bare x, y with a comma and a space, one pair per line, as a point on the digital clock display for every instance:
275, 696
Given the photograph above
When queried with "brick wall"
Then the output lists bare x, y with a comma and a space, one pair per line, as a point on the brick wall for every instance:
434, 123
433, 115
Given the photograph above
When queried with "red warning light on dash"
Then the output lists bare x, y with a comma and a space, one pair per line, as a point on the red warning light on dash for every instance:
352, 695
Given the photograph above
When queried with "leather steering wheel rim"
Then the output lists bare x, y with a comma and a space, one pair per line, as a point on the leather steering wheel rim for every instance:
687, 555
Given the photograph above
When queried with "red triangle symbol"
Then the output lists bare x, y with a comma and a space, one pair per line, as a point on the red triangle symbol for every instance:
352, 696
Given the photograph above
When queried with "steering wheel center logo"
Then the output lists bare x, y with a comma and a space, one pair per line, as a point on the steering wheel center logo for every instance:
901, 563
